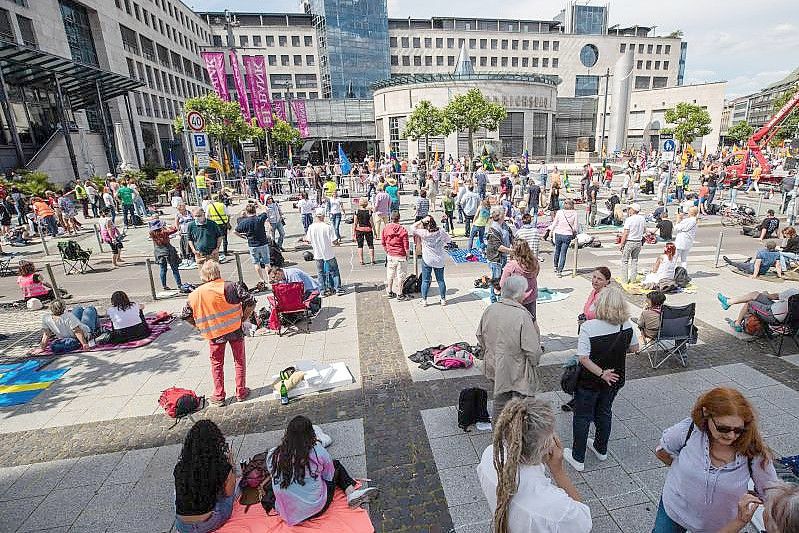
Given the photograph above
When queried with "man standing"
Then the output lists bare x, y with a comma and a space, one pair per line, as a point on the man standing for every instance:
533, 200
395, 242
125, 195
470, 202
511, 345
216, 308
382, 206
204, 237
200, 181
543, 174
422, 205
592, 196
216, 212
253, 227
631, 242
481, 179
93, 198
320, 235
498, 246
83, 198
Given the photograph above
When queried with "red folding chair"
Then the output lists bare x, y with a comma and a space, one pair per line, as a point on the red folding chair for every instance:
291, 308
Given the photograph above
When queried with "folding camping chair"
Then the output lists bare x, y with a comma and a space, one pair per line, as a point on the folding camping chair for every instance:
676, 331
74, 258
787, 328
287, 300
5, 265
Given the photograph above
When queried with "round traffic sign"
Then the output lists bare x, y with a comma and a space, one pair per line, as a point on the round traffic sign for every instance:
195, 120
669, 146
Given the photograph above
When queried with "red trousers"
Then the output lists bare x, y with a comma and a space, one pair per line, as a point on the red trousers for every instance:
218, 367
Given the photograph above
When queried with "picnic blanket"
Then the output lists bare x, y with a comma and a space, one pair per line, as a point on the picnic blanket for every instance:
158, 322
771, 276
635, 287
459, 255
545, 295
21, 382
338, 517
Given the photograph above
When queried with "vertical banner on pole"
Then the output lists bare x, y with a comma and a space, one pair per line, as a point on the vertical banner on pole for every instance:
255, 71
215, 65
279, 108
298, 108
241, 92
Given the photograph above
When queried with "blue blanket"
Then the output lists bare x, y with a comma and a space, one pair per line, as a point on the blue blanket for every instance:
459, 256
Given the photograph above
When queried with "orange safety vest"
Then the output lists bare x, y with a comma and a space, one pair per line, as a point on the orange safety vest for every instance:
42, 209
30, 287
213, 315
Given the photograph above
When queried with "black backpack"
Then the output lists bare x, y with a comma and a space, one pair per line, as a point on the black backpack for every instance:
681, 277
411, 285
472, 407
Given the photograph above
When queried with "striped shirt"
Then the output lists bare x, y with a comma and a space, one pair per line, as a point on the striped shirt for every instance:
422, 207
529, 233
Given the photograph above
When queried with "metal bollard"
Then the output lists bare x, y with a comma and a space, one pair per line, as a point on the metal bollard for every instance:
44, 243
237, 255
97, 234
53, 284
152, 280
415, 259
718, 248
759, 202
576, 248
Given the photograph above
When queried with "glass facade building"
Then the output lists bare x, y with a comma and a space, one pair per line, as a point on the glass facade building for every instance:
589, 20
353, 45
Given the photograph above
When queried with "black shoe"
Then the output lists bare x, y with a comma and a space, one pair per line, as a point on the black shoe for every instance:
166, 288
726, 259
568, 407
392, 295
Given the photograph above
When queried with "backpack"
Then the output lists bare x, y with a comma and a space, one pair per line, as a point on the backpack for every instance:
753, 326
136, 220
453, 357
472, 407
666, 286
409, 285
179, 403
681, 277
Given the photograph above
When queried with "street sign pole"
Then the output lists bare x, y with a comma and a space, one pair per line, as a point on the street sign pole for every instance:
189, 153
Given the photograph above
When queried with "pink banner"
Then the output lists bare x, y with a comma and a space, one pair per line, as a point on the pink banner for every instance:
255, 71
279, 109
301, 116
215, 65
240, 90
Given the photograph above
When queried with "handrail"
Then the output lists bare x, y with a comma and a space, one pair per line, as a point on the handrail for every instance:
42, 148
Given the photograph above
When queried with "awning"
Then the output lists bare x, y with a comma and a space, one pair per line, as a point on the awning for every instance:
30, 67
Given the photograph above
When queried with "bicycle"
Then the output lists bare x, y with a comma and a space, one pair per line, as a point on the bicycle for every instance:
736, 217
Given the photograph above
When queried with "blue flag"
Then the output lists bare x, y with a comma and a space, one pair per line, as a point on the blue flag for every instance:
346, 166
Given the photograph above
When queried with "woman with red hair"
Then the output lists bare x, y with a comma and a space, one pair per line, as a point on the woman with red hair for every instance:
713, 455
664, 267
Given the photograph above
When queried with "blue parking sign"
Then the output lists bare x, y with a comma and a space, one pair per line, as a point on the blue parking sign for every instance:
199, 142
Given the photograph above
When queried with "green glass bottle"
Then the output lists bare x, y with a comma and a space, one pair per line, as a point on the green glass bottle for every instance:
284, 393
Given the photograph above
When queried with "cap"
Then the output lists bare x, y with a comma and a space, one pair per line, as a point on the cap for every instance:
635, 207
319, 211
156, 224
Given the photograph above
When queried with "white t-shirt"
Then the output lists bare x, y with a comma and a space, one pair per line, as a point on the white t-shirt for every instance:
108, 199
780, 308
635, 226
124, 319
539, 506
306, 206
63, 327
321, 237
685, 233
596, 328
335, 206
667, 267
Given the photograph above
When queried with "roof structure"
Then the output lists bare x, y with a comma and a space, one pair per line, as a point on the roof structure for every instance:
411, 79
464, 64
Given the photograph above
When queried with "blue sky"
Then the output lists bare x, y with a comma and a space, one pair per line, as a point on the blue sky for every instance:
748, 44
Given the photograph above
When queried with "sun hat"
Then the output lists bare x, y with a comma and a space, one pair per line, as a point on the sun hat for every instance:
156, 224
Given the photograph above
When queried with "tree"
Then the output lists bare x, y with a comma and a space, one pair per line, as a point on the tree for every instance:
740, 131
284, 133
471, 111
788, 128
223, 120
676, 34
690, 121
166, 180
426, 120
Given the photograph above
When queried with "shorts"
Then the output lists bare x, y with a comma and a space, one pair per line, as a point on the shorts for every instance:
259, 255
115, 246
761, 306
368, 235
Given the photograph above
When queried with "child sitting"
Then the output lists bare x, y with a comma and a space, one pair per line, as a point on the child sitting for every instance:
649, 321
31, 284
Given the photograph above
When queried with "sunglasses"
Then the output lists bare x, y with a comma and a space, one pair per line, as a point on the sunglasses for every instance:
728, 429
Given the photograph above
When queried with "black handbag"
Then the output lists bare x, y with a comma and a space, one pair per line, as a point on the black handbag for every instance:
568, 381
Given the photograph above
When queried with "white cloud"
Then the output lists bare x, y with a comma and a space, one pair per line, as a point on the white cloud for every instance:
781, 29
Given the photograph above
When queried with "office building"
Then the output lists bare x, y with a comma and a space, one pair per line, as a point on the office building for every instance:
757, 108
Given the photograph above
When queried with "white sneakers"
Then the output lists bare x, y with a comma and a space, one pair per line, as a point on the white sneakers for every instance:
443, 301
600, 456
358, 497
324, 439
567, 456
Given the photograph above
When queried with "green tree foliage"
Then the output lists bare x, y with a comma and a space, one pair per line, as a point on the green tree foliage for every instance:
166, 180
223, 120
690, 121
740, 131
471, 111
425, 121
33, 182
282, 132
788, 128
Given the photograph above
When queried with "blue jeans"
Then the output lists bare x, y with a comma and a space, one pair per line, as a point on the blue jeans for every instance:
307, 219
52, 225
336, 219
480, 231
787, 256
127, 213
138, 204
219, 515
278, 227
591, 406
327, 274
427, 275
562, 243
87, 317
543, 179
496, 273
733, 194
664, 524
175, 273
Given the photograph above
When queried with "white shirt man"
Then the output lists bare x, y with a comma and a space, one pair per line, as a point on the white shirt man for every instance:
631, 242
320, 235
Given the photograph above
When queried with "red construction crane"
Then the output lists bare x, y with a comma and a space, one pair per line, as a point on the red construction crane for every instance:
759, 140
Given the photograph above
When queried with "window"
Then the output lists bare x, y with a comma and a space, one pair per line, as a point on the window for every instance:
308, 39
659, 82
472, 44
504, 62
535, 62
461, 42
417, 42
406, 61
622, 47
493, 61
297, 60
313, 95
300, 95
545, 62
535, 45
272, 60
137, 12
310, 60
504, 44
284, 60
545, 45
392, 42
511, 133
244, 41
428, 61
648, 65
282, 40
450, 43
440, 61
514, 44
79, 33
589, 55
640, 48
555, 46
649, 48
514, 62
586, 85
270, 40
217, 40
667, 49
658, 48
525, 44
256, 41
397, 145
554, 62
405, 42
417, 61
279, 81
657, 65
642, 82
493, 44
639, 65
450, 61
394, 61
483, 61
439, 42
295, 40
305, 81
665, 65
483, 44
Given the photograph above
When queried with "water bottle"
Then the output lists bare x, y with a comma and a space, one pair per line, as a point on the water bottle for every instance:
284, 393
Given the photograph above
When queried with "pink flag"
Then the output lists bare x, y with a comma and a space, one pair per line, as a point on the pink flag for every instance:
279, 108
255, 70
240, 90
215, 65
301, 116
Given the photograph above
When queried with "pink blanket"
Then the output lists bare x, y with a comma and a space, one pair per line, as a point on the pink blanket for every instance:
159, 324
338, 518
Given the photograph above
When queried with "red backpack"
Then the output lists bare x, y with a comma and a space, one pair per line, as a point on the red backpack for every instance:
179, 403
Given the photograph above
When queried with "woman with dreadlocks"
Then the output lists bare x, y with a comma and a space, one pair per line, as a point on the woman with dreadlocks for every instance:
514, 480
205, 480
304, 476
